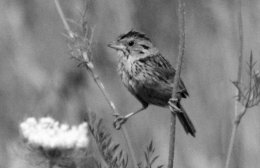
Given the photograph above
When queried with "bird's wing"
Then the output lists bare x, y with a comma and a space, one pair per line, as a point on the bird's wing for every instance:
162, 73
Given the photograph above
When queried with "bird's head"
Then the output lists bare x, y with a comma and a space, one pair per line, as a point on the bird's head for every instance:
133, 44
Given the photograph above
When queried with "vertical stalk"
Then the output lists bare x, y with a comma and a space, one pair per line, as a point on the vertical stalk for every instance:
239, 78
181, 19
241, 45
172, 141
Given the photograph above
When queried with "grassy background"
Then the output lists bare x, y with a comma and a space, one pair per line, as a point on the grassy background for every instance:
38, 78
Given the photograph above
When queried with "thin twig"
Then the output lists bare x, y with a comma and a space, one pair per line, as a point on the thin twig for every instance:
239, 78
181, 19
90, 67
63, 18
241, 45
233, 135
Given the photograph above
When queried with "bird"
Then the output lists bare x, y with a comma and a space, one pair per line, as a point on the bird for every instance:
148, 76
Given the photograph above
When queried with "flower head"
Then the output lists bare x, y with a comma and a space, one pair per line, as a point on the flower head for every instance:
50, 134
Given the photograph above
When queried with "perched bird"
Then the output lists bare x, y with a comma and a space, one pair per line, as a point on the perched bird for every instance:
148, 76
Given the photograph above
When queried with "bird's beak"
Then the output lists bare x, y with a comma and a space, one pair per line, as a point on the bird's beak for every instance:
116, 46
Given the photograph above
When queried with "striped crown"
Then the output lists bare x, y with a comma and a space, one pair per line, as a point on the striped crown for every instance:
135, 34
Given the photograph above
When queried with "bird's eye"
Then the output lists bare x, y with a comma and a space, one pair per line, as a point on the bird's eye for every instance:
131, 43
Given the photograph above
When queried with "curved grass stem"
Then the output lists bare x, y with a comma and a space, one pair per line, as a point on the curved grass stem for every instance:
90, 67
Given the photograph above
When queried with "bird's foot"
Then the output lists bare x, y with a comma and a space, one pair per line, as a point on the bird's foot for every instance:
119, 121
173, 105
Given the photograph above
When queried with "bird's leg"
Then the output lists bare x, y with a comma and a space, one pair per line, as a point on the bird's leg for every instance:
120, 120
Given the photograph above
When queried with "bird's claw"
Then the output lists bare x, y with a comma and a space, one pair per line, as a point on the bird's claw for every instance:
173, 104
119, 121
115, 115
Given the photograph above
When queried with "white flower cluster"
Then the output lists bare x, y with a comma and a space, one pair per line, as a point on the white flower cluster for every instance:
48, 133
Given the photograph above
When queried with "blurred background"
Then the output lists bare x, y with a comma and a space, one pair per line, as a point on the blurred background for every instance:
37, 76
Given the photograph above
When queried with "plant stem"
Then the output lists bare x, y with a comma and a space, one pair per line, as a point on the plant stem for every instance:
181, 19
241, 44
172, 141
51, 164
100, 86
233, 135
115, 111
231, 144
63, 18
239, 78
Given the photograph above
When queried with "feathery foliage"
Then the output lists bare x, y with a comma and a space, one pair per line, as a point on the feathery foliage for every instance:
110, 151
149, 157
250, 93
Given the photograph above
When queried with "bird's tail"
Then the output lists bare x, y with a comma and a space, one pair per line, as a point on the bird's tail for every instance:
185, 121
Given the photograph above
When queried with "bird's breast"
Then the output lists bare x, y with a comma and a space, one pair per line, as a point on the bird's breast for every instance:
127, 73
